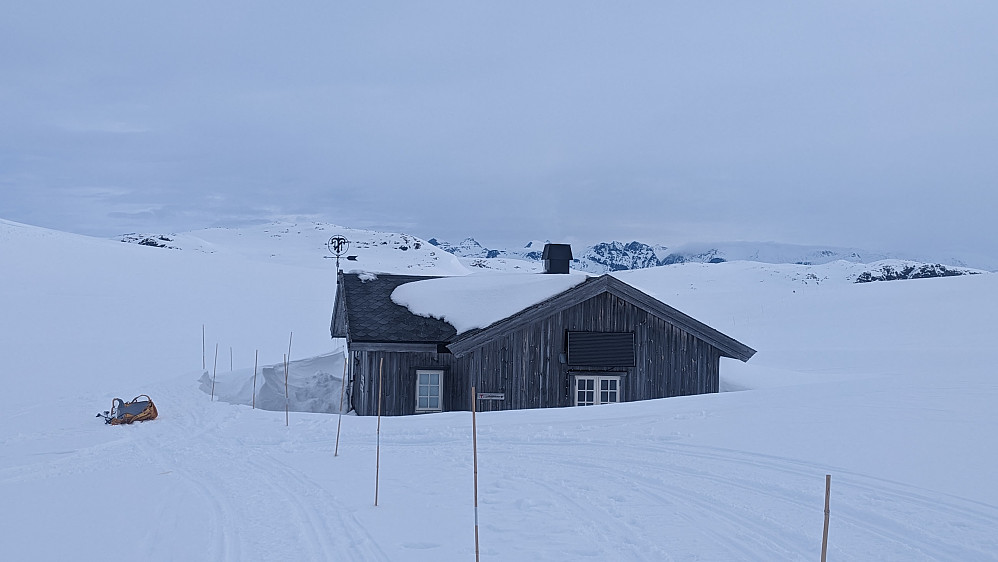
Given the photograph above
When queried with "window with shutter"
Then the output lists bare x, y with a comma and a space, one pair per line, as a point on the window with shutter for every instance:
601, 349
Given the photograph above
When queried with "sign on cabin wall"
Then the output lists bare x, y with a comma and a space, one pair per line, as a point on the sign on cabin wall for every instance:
491, 395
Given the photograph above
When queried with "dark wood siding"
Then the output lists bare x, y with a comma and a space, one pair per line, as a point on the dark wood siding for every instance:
398, 379
525, 363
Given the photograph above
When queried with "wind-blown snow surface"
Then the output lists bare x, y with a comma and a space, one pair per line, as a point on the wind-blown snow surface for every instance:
890, 387
297, 241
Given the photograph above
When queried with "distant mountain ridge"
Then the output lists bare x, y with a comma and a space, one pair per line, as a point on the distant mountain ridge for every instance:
619, 256
606, 257
887, 271
302, 242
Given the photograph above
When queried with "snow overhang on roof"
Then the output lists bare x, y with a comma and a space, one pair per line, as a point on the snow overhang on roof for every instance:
476, 301
728, 346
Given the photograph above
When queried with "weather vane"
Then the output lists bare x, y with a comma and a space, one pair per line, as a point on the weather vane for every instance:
338, 245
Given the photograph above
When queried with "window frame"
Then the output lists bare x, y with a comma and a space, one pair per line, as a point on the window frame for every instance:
597, 387
439, 386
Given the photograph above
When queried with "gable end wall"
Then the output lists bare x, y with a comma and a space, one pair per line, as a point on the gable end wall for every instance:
524, 363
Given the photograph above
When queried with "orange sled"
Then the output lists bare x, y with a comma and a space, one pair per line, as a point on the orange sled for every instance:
122, 412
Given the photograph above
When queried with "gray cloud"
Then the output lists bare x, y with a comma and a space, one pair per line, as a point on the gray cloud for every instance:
839, 123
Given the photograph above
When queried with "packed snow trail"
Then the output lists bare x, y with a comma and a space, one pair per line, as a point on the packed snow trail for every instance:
258, 506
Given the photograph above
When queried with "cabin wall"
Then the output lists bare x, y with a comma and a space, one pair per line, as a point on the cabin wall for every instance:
526, 363
398, 380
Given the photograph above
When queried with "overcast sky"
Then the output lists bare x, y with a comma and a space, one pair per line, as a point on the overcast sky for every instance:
869, 124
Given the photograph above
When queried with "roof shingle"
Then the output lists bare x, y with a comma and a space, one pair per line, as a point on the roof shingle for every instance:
372, 316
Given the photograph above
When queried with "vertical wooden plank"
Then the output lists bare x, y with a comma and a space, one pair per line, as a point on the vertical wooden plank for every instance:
359, 383
671, 390
686, 365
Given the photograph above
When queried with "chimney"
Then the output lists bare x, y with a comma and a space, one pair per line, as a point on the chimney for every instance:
557, 257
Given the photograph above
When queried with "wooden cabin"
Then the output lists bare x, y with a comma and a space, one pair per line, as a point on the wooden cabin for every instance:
600, 341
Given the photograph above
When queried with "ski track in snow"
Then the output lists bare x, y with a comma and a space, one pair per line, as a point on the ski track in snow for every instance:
701, 486
292, 515
699, 499
964, 521
695, 501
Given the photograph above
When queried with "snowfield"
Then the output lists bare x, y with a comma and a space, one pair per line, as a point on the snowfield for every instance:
890, 387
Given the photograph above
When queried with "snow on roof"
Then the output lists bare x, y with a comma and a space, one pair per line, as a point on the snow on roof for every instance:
476, 301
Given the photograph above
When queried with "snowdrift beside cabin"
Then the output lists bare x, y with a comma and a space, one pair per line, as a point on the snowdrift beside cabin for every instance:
314, 385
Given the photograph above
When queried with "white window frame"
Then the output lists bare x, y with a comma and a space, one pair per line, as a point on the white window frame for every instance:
597, 388
428, 396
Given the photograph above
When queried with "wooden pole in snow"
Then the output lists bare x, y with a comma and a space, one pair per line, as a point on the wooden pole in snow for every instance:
377, 464
256, 360
287, 359
474, 444
286, 419
214, 368
343, 384
824, 534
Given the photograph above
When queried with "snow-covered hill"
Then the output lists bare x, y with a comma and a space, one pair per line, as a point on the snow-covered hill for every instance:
293, 242
888, 387
299, 241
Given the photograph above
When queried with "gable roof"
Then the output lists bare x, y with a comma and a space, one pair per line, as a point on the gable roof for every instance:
364, 312
728, 346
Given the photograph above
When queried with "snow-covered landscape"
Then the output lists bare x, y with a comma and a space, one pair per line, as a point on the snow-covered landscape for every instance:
888, 386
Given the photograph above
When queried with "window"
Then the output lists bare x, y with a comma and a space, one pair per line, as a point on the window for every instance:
591, 390
600, 349
428, 385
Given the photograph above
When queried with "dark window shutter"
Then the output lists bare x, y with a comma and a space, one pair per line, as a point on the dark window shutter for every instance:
601, 349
